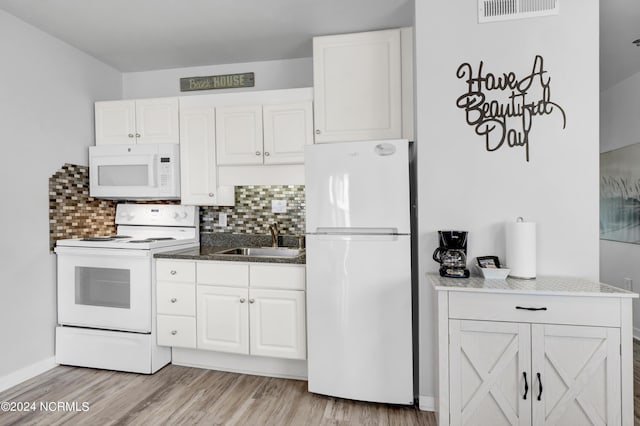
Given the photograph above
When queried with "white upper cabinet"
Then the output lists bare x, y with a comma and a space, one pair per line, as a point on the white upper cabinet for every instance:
137, 121
239, 134
287, 129
363, 86
264, 134
198, 171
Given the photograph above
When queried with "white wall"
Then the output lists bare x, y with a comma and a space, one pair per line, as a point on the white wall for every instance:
462, 186
46, 119
620, 127
281, 74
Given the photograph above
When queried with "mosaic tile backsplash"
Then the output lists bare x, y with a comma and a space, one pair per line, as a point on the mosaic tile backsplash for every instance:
74, 214
252, 212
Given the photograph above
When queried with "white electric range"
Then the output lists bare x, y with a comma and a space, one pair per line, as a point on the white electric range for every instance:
106, 297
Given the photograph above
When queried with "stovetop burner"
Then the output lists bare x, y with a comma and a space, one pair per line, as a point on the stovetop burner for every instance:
97, 239
160, 238
140, 241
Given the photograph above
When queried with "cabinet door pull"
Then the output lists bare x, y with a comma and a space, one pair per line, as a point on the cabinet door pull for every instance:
540, 386
531, 309
526, 385
174, 300
174, 332
173, 272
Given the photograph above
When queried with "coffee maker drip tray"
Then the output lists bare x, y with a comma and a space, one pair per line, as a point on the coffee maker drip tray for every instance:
454, 272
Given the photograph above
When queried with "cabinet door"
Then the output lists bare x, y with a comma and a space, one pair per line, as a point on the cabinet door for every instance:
489, 373
223, 319
115, 122
198, 172
239, 134
157, 120
577, 375
277, 321
357, 86
287, 129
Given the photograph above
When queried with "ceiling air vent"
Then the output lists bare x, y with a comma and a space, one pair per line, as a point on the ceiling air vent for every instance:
502, 10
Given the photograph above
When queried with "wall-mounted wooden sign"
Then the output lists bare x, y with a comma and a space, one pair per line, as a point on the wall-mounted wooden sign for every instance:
226, 81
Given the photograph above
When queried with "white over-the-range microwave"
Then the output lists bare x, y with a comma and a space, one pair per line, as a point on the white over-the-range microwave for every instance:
135, 172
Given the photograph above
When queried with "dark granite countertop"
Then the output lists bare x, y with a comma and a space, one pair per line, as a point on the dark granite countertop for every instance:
211, 253
212, 243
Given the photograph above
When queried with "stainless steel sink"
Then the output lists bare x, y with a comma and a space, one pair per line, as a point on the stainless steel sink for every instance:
264, 251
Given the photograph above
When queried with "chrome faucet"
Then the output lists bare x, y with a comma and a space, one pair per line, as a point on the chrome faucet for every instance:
273, 228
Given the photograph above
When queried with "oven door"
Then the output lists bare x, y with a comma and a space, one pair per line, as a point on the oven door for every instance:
105, 288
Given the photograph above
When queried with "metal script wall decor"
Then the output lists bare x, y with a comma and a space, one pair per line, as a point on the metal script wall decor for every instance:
226, 81
502, 107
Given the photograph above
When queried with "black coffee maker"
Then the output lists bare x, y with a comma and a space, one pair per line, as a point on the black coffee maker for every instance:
452, 254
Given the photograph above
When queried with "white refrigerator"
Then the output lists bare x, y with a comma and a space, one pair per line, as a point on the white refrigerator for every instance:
359, 321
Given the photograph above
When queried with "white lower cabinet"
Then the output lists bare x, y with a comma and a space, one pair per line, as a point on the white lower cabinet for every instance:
223, 319
277, 323
505, 373
238, 307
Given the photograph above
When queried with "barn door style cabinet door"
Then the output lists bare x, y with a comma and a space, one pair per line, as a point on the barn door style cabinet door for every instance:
539, 374
363, 86
558, 356
137, 121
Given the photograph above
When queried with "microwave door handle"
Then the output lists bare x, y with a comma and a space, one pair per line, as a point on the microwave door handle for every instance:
152, 171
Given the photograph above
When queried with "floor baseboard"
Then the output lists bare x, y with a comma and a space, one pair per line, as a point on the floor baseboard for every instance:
26, 373
426, 403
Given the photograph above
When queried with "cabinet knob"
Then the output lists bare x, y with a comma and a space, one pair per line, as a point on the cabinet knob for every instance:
174, 332
137, 135
242, 300
266, 154
173, 272
317, 131
211, 194
174, 300
258, 153
130, 135
252, 300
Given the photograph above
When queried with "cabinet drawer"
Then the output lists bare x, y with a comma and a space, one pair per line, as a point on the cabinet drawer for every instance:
169, 270
289, 277
230, 274
598, 311
176, 331
176, 298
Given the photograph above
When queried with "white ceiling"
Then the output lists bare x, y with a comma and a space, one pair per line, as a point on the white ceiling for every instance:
140, 35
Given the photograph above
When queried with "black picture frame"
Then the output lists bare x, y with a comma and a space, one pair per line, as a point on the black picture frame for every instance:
488, 262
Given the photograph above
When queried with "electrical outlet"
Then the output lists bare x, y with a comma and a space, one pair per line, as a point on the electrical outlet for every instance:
222, 219
628, 284
278, 206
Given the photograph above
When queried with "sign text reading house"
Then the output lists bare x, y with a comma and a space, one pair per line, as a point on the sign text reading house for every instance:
226, 81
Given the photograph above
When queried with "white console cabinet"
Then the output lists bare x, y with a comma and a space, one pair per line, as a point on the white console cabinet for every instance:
550, 351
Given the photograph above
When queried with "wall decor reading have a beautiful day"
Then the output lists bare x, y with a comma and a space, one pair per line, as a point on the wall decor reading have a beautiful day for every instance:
503, 107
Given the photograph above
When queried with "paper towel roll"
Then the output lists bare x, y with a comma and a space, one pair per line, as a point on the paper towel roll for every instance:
521, 249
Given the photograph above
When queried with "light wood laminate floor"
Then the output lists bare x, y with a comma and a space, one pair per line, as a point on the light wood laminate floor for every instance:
188, 396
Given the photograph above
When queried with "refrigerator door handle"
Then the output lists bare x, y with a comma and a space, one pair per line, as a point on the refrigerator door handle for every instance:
356, 231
